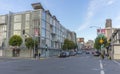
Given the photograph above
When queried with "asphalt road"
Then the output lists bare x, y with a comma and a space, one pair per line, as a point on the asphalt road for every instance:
83, 64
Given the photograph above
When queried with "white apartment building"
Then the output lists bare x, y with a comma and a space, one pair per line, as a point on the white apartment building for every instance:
39, 24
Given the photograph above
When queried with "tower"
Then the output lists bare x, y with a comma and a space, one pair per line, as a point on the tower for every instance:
108, 28
108, 23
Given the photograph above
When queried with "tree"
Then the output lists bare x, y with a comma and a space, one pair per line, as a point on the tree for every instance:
68, 45
65, 45
30, 44
99, 41
15, 40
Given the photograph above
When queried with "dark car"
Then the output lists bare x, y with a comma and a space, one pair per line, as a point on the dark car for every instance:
87, 52
72, 53
79, 52
96, 53
64, 54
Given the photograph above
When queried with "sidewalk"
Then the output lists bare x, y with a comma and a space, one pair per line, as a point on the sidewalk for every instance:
20, 58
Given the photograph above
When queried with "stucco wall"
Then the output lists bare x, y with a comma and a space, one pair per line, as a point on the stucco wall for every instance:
26, 53
116, 54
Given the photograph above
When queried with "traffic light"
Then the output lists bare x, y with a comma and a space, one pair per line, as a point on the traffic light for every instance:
46, 47
23, 32
25, 39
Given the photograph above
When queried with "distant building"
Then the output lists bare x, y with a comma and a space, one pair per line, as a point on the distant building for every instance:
89, 44
80, 43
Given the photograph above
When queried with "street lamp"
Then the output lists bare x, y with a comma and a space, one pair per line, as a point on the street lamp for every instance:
96, 27
101, 40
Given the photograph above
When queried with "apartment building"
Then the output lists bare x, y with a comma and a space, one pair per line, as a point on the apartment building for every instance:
39, 24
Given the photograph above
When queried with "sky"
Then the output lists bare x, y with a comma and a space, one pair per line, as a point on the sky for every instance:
75, 15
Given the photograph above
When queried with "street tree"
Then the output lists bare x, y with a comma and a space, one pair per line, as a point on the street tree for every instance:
101, 40
15, 40
30, 44
68, 45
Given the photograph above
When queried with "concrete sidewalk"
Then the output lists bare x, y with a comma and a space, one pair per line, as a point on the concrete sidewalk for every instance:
18, 58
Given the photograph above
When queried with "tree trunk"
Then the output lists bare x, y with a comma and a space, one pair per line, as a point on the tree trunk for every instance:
30, 53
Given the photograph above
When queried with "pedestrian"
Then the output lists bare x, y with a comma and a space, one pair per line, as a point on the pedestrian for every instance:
39, 55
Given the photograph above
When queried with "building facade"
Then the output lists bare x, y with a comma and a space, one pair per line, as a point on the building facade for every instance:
115, 44
38, 24
80, 43
89, 44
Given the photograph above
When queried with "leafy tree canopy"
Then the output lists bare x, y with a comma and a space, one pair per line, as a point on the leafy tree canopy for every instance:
101, 40
29, 42
68, 45
15, 40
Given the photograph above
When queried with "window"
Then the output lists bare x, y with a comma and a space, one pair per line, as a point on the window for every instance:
17, 18
50, 20
2, 32
17, 32
53, 29
43, 24
2, 28
4, 35
27, 31
27, 25
54, 22
47, 34
43, 15
27, 17
43, 32
17, 26
43, 42
2, 19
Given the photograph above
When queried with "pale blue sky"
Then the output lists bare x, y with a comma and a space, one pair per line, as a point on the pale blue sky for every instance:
76, 15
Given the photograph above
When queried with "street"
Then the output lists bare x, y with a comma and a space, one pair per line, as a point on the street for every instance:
82, 64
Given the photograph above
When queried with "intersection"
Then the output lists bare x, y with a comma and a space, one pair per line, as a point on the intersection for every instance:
81, 64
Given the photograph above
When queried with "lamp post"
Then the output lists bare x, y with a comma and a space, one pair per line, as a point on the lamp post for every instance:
101, 41
46, 49
98, 28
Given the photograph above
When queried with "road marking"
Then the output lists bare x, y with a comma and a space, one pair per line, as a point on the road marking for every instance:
102, 72
95, 69
116, 62
101, 67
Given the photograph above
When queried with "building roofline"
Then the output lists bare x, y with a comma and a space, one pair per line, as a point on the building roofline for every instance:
37, 6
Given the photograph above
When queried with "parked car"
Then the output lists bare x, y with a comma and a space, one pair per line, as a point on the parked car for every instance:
96, 53
72, 53
87, 52
79, 52
64, 54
